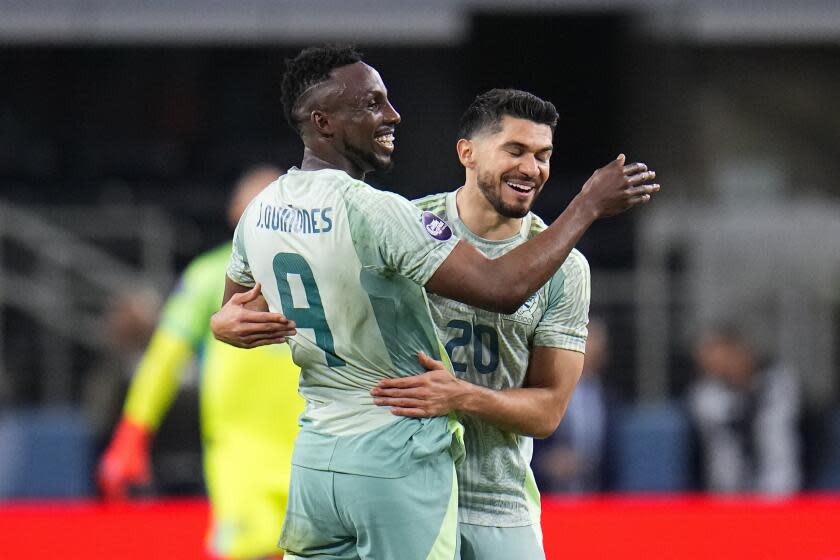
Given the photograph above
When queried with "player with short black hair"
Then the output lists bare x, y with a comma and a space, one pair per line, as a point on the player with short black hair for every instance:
515, 372
311, 67
487, 109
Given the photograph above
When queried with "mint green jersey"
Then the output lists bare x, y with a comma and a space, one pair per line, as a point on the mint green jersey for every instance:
492, 350
347, 263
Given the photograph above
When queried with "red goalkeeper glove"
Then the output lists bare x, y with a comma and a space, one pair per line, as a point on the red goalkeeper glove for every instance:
126, 462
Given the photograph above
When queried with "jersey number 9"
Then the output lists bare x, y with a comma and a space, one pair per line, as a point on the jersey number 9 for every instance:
309, 317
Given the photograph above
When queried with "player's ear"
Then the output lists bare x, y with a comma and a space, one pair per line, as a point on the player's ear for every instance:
321, 123
466, 152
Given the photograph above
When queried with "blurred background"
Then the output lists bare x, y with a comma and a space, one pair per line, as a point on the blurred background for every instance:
124, 124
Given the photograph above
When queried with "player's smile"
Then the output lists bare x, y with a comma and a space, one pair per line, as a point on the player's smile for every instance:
385, 139
523, 187
512, 165
363, 119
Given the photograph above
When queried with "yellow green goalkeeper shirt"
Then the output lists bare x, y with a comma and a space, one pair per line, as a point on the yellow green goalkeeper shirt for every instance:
246, 395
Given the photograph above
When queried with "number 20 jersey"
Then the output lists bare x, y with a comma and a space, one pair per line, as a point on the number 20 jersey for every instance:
496, 485
347, 263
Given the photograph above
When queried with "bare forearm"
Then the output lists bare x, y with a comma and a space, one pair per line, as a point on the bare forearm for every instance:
502, 285
245, 321
531, 265
536, 409
232, 288
531, 412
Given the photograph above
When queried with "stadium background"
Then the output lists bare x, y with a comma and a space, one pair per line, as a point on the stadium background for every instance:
122, 126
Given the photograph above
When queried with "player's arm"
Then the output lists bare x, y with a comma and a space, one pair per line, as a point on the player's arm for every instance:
244, 320
183, 324
127, 460
535, 410
502, 285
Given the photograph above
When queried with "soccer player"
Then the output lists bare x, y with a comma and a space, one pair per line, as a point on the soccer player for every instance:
249, 407
505, 146
348, 265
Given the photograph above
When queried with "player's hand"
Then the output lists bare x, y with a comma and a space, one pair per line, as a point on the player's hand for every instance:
617, 187
245, 322
126, 463
434, 393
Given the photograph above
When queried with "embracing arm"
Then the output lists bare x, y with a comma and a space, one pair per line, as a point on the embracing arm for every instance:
244, 320
502, 285
534, 410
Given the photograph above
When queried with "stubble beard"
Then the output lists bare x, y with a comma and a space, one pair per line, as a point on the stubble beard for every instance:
491, 189
367, 160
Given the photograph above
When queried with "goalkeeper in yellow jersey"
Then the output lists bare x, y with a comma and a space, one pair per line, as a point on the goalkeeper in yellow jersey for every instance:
249, 407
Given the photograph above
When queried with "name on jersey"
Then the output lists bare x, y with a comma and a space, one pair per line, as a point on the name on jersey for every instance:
295, 220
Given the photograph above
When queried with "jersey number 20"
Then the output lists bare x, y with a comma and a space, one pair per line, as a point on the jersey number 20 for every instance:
481, 337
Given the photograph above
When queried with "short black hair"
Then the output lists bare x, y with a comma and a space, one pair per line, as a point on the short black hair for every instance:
311, 66
488, 108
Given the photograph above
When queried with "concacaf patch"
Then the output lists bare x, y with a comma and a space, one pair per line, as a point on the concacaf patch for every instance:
436, 227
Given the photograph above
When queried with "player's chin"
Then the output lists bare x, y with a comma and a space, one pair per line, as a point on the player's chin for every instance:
516, 210
384, 162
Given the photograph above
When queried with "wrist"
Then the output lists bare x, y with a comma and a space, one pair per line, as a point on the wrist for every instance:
131, 434
469, 400
581, 208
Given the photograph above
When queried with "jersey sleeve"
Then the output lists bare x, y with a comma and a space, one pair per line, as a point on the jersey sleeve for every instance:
564, 323
197, 296
391, 232
238, 269
181, 330
156, 380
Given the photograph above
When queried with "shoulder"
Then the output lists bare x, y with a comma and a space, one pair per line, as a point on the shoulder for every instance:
537, 225
376, 205
576, 263
323, 177
434, 203
571, 280
297, 183
360, 190
575, 268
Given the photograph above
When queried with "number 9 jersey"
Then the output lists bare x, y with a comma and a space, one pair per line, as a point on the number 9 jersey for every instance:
347, 263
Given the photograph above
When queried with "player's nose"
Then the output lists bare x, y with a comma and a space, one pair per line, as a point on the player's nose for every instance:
391, 114
528, 166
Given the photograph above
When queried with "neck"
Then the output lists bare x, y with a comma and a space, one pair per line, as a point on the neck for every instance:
313, 160
476, 212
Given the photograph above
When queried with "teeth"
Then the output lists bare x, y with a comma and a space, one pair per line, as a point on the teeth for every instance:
386, 140
518, 187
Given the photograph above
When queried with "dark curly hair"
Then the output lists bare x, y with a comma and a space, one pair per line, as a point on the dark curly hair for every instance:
488, 108
311, 66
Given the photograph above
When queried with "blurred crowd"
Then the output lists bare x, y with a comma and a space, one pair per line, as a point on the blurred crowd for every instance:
740, 427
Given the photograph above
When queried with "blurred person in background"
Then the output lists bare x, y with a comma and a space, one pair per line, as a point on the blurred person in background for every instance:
572, 459
128, 325
746, 410
249, 407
